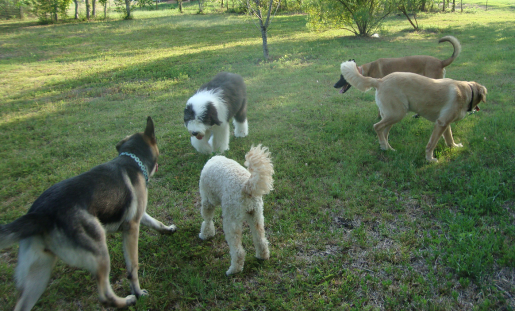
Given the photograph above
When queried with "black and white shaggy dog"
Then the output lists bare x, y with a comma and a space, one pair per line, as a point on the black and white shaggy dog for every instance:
208, 112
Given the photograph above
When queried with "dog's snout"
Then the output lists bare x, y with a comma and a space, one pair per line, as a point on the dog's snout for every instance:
194, 133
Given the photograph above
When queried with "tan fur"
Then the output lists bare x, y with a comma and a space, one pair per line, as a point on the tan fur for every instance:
441, 101
428, 66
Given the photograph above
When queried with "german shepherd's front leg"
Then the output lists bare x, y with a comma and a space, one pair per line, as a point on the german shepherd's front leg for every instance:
130, 250
155, 224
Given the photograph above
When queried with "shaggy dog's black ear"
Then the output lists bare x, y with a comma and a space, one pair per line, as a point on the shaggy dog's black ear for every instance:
189, 114
212, 115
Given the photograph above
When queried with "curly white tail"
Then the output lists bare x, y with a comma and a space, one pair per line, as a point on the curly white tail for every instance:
259, 163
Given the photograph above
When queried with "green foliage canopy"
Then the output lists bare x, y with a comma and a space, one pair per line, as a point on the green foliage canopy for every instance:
361, 17
49, 10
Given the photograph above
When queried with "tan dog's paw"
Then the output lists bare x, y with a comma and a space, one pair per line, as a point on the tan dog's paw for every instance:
131, 300
169, 230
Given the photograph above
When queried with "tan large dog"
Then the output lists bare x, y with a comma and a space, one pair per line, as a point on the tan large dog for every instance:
441, 101
427, 66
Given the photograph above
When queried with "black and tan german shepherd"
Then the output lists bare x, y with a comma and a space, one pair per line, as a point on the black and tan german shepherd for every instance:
70, 221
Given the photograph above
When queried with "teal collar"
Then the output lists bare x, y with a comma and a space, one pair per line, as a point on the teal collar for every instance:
141, 166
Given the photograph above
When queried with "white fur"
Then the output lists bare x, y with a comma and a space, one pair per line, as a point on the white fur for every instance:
239, 191
220, 133
240, 129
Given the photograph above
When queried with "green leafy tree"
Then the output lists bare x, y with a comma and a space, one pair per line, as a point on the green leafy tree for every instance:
124, 7
361, 17
104, 4
50, 10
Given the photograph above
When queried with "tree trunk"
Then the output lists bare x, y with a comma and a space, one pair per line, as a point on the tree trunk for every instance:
403, 10
94, 8
105, 9
180, 5
87, 9
453, 5
55, 12
265, 42
199, 7
127, 8
76, 9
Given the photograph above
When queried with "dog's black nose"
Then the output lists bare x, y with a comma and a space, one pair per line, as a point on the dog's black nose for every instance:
194, 133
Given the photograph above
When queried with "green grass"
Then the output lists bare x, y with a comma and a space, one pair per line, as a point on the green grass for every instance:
350, 226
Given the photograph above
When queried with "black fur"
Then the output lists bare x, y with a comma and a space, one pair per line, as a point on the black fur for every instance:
100, 192
342, 83
234, 93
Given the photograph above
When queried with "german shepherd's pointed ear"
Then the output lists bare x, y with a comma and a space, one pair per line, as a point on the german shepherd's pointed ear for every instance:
149, 130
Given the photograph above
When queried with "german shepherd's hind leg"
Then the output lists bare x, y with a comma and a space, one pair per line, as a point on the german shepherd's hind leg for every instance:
158, 226
130, 251
33, 272
88, 250
256, 223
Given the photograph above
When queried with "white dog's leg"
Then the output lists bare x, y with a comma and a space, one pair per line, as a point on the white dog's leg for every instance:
207, 210
256, 223
240, 129
233, 229
221, 137
202, 145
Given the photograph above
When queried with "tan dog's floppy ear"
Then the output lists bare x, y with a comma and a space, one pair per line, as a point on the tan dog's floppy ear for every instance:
482, 92
149, 130
119, 145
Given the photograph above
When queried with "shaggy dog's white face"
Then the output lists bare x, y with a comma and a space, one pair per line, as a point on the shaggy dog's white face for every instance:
201, 114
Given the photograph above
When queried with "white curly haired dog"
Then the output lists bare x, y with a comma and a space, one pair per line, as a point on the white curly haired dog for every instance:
239, 191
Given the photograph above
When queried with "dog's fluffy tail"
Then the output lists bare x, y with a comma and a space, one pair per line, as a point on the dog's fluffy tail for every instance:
457, 49
23, 227
351, 74
259, 164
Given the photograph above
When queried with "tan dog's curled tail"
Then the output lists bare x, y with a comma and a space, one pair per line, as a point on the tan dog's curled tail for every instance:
457, 49
259, 163
351, 74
